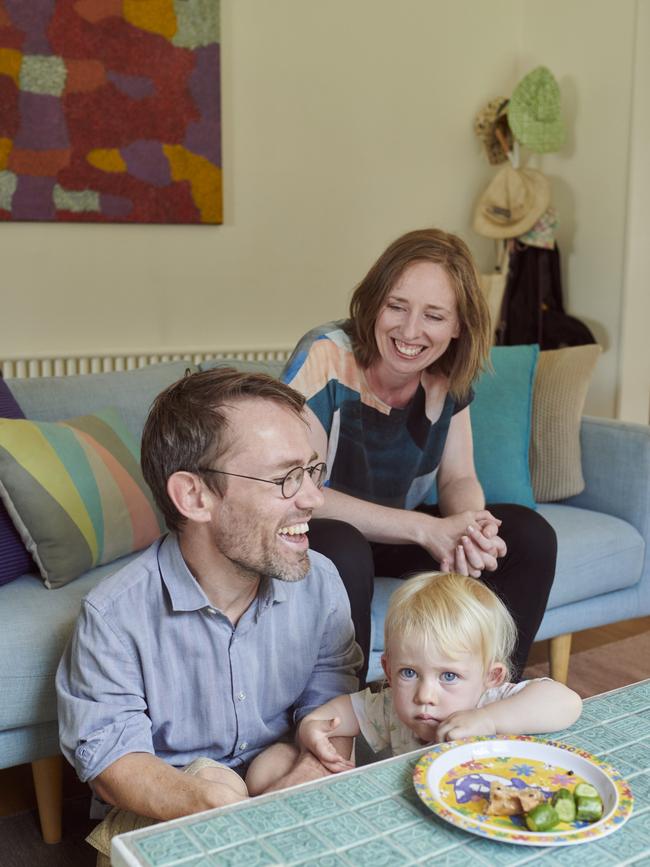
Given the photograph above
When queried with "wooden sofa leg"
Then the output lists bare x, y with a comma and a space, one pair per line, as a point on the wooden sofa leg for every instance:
48, 782
559, 653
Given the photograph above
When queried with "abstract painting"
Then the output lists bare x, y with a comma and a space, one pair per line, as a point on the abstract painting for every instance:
110, 111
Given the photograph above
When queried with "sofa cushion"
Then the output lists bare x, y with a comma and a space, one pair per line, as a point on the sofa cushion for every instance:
501, 413
35, 626
559, 394
596, 553
273, 368
14, 557
76, 493
131, 392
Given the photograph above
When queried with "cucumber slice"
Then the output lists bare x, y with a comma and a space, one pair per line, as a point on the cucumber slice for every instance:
543, 817
561, 795
585, 790
589, 809
566, 809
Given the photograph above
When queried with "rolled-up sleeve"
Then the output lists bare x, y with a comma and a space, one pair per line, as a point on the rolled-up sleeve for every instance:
101, 707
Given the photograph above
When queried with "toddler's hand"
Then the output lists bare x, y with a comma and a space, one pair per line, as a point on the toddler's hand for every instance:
466, 724
315, 734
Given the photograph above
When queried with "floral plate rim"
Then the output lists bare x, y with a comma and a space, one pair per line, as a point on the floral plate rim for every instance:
614, 820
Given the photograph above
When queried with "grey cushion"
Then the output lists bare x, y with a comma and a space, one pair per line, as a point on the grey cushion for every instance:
596, 553
273, 368
35, 624
52, 398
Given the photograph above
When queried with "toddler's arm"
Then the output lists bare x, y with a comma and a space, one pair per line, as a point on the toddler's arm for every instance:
336, 718
542, 706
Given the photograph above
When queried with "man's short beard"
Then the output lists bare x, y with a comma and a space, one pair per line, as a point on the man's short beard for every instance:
260, 557
281, 571
297, 572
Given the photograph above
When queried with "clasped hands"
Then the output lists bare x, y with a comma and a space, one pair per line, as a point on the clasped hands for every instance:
469, 543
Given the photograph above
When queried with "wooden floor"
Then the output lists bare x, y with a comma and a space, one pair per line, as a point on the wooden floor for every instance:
17, 789
597, 638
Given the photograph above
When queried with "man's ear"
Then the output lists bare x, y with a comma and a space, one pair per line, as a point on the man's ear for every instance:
190, 496
496, 675
385, 665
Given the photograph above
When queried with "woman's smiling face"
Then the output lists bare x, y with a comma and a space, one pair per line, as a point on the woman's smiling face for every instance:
416, 323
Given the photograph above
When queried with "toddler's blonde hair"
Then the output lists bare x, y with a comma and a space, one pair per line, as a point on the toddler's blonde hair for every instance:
455, 613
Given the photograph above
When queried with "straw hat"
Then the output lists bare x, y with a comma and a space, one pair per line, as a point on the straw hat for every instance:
534, 112
513, 202
490, 125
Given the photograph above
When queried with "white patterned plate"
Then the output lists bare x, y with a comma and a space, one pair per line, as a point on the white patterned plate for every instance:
453, 780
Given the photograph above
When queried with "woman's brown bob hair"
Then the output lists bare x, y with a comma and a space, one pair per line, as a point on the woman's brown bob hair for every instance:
467, 355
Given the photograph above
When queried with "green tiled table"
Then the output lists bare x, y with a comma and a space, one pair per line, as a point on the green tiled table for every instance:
372, 815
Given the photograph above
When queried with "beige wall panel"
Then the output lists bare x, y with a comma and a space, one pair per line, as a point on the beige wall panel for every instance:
344, 124
589, 46
634, 373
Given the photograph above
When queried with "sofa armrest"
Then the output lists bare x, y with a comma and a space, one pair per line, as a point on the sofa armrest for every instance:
616, 468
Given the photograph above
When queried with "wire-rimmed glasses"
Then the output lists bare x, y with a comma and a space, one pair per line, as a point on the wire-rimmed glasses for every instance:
289, 484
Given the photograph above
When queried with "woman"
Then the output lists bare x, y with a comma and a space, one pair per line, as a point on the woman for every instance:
388, 394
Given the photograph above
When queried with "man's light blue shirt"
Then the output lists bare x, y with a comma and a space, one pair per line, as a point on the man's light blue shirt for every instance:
153, 667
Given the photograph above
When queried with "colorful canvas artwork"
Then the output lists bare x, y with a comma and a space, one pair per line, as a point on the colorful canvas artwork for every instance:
110, 111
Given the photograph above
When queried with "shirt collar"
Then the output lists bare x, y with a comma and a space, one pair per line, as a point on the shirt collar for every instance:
186, 593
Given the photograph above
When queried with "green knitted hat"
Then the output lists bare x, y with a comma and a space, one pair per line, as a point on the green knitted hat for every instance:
534, 112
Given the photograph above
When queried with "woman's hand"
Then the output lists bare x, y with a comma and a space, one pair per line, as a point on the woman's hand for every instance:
314, 735
467, 542
479, 549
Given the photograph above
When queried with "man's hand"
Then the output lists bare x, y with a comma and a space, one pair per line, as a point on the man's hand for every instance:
148, 786
315, 736
466, 724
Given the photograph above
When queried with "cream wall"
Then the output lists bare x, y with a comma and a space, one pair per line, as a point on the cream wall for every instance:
634, 369
590, 46
345, 123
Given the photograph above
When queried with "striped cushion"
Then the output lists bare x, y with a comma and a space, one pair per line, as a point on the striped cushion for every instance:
561, 385
14, 557
75, 492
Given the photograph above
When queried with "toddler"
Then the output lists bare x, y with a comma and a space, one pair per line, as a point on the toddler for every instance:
448, 640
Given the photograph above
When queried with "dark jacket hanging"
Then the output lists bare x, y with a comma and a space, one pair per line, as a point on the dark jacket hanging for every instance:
533, 309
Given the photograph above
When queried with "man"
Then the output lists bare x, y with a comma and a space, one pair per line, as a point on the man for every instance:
210, 646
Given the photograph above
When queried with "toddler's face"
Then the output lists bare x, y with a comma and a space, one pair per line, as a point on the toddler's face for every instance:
428, 686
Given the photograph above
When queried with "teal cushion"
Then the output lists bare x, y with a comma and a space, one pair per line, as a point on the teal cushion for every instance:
501, 419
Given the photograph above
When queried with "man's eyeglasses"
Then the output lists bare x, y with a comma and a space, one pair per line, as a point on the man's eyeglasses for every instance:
290, 484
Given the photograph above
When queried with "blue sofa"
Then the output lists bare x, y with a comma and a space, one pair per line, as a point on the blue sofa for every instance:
603, 572
603, 564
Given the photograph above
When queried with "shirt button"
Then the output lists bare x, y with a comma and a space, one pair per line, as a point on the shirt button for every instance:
243, 746
212, 610
241, 696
